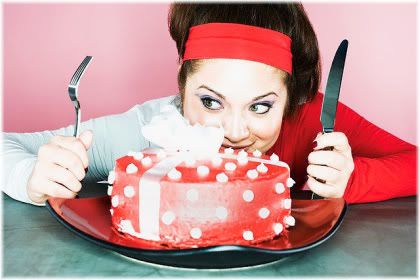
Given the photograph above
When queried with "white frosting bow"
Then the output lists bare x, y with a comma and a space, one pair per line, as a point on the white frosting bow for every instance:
172, 132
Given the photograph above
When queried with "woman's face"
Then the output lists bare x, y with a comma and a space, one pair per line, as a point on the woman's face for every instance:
247, 98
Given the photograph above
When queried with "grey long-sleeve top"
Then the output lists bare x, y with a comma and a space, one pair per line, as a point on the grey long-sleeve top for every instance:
113, 137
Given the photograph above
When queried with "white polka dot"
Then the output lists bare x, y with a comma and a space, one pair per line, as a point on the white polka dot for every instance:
146, 161
242, 153
222, 178
114, 201
126, 226
109, 191
230, 166
168, 217
248, 196
111, 177
287, 203
252, 174
216, 160
262, 168
263, 213
203, 170
195, 233
192, 195
278, 228
228, 151
221, 212
290, 182
138, 156
280, 188
174, 174
189, 161
161, 154
129, 191
248, 235
257, 153
242, 160
131, 168
111, 211
274, 157
289, 220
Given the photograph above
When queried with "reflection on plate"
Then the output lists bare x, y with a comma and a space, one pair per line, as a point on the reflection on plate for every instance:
316, 221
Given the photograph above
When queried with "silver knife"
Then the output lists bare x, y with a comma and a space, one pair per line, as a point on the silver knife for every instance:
332, 92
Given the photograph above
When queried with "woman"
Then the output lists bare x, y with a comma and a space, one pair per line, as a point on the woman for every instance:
254, 68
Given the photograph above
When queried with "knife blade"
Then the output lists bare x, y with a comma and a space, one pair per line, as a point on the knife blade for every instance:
331, 95
332, 91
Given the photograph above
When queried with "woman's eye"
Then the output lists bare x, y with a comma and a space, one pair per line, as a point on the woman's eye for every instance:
260, 108
210, 103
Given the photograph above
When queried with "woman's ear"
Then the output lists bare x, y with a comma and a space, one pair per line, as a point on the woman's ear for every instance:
179, 67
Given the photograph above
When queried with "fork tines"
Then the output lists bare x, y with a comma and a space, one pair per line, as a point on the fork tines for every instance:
79, 72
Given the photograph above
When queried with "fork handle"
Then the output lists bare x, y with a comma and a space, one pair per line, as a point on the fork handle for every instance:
78, 118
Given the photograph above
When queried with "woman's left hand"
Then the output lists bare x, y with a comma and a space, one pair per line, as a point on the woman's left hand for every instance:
333, 168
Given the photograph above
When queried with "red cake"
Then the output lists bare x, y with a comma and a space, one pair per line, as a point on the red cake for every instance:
179, 201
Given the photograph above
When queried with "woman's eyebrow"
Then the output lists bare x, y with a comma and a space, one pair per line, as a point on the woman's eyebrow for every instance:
223, 97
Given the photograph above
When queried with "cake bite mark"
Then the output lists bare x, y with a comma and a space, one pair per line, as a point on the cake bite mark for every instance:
192, 195
222, 178
129, 191
146, 161
195, 233
174, 174
203, 170
280, 188
263, 213
115, 201
109, 191
290, 182
230, 166
252, 174
168, 217
131, 169
111, 177
221, 213
278, 228
262, 168
287, 203
274, 157
248, 235
248, 195
289, 220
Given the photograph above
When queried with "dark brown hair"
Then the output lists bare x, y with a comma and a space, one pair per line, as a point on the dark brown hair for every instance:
288, 18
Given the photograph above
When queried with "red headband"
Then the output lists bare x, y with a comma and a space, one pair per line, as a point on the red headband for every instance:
232, 40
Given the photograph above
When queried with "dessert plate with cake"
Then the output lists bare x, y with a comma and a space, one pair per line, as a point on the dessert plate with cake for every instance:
191, 203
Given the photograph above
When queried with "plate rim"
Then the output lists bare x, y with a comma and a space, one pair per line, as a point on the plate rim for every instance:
192, 251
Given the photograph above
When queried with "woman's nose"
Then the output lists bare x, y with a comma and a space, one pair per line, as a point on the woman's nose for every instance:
236, 128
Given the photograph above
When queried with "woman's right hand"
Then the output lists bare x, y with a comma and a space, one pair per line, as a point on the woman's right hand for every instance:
60, 167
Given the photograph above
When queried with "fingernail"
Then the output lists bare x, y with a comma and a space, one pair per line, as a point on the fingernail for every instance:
314, 144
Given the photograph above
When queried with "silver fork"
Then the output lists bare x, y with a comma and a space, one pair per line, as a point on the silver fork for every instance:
73, 85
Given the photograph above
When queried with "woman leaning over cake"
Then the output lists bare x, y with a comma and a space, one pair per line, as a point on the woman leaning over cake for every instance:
254, 69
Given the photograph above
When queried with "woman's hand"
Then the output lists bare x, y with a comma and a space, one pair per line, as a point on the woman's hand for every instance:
59, 168
332, 167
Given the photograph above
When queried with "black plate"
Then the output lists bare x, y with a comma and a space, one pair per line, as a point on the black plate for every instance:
89, 218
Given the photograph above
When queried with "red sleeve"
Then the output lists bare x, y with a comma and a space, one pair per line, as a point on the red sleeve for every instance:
385, 166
